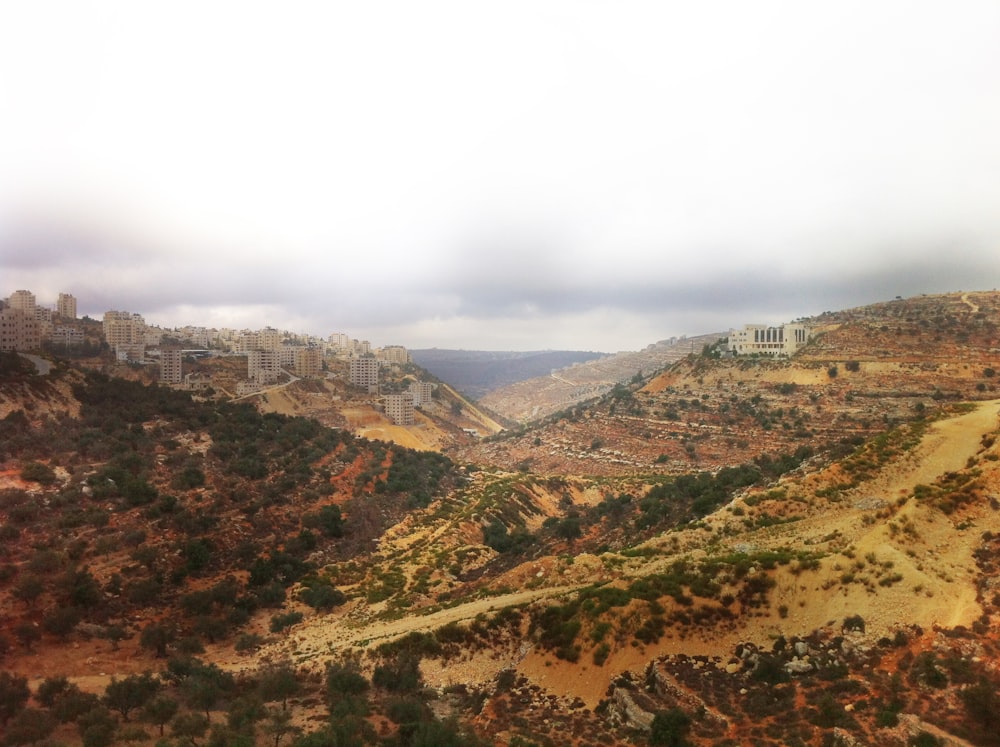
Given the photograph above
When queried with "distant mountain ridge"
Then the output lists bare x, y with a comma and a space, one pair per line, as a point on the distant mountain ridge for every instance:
476, 372
542, 395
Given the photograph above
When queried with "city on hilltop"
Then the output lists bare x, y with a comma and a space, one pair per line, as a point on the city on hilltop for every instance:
273, 355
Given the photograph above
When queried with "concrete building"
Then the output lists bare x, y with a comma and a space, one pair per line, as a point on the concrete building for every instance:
68, 336
171, 366
421, 391
759, 339
19, 330
399, 408
364, 373
66, 306
22, 300
124, 328
394, 354
308, 362
263, 366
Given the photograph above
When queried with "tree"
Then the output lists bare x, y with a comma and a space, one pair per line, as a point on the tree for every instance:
279, 682
279, 725
189, 726
30, 725
28, 588
157, 636
97, 727
670, 728
160, 710
27, 633
14, 694
130, 693
61, 621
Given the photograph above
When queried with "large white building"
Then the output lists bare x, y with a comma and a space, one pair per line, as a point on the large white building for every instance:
759, 339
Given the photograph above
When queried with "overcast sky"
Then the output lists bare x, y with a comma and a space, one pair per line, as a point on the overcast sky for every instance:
506, 175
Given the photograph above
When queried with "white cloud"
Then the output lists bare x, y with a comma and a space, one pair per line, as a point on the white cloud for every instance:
521, 174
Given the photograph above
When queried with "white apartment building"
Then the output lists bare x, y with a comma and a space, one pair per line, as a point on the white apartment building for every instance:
364, 373
171, 366
399, 408
759, 339
422, 392
66, 306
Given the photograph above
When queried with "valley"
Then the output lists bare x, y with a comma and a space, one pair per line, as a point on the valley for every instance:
715, 550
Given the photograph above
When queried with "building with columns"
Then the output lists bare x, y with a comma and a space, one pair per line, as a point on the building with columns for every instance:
759, 339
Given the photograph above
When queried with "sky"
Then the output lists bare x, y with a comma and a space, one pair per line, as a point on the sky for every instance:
497, 175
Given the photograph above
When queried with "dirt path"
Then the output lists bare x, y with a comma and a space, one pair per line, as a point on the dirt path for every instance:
323, 636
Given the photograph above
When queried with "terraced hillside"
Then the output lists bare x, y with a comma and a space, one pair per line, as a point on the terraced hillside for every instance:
723, 552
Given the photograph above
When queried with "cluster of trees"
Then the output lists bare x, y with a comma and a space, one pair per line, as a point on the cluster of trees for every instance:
192, 701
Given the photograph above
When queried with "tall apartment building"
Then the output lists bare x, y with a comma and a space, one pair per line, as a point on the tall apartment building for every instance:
364, 373
66, 306
170, 366
399, 408
22, 300
263, 366
421, 391
759, 339
339, 342
308, 362
124, 328
19, 330
394, 354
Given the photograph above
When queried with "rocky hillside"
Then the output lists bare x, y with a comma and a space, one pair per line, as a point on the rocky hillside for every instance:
539, 396
723, 552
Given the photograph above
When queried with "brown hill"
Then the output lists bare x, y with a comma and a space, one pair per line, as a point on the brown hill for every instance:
727, 552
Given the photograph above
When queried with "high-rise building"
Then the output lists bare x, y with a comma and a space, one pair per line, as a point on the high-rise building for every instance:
399, 408
124, 328
263, 366
308, 362
421, 391
66, 306
170, 366
364, 373
18, 330
22, 300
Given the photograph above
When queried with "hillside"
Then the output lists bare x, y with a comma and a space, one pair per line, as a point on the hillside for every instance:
477, 372
541, 395
726, 551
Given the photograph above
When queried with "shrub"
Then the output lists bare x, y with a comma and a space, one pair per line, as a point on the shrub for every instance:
285, 620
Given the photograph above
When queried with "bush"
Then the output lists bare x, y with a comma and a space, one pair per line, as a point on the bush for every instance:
283, 621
